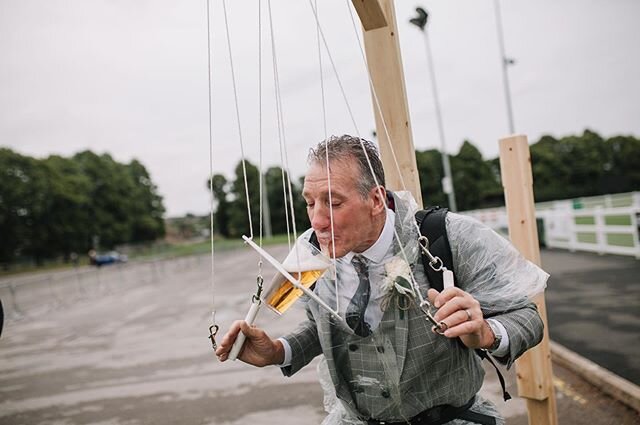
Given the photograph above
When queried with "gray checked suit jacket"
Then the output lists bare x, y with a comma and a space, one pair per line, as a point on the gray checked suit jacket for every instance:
431, 369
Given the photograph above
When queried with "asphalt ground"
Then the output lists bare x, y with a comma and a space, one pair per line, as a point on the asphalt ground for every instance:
593, 308
129, 345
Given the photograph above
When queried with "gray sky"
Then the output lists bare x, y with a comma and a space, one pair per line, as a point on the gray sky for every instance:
130, 78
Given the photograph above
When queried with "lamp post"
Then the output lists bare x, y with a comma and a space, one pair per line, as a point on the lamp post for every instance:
447, 182
505, 65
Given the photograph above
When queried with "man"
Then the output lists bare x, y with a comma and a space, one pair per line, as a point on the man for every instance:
386, 364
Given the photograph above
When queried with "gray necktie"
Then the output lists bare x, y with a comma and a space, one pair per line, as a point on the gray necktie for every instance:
358, 304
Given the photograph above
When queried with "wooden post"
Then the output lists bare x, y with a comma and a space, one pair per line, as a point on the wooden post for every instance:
388, 91
534, 367
370, 13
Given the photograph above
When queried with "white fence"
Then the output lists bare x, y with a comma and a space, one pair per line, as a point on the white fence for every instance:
601, 230
606, 224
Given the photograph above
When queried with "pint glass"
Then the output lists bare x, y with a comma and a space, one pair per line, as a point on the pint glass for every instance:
306, 263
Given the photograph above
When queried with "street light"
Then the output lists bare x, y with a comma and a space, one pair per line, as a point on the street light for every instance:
447, 182
505, 65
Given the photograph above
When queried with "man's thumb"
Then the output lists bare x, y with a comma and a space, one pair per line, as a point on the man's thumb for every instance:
432, 294
248, 330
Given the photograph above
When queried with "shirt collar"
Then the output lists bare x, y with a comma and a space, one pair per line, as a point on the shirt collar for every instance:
376, 252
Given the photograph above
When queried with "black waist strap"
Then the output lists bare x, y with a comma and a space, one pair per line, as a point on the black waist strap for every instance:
440, 415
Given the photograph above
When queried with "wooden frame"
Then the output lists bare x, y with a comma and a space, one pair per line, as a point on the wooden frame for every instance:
390, 102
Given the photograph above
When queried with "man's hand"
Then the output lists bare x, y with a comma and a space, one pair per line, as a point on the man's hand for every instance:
461, 314
258, 349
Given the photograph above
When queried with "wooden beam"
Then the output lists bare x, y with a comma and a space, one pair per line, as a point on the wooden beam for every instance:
370, 13
534, 372
385, 66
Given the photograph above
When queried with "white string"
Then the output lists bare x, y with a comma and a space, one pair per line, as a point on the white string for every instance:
402, 250
235, 95
324, 110
377, 104
213, 285
286, 175
261, 177
333, 66
414, 283
324, 122
274, 65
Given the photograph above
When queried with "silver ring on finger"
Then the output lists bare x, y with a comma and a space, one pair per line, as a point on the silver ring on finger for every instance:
468, 314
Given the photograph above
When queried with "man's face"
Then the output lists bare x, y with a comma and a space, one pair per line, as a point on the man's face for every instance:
355, 218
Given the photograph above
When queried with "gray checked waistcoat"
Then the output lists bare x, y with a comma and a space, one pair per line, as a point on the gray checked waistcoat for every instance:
400, 370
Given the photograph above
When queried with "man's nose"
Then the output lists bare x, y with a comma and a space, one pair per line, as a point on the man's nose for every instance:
319, 218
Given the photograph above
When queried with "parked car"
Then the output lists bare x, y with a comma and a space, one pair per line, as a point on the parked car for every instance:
112, 257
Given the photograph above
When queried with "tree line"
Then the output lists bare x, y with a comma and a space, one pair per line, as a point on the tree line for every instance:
56, 206
231, 218
567, 167
52, 207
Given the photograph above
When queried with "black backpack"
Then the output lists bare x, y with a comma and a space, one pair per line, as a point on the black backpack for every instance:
432, 224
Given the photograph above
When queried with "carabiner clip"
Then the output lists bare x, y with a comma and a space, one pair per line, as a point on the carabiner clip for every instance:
213, 330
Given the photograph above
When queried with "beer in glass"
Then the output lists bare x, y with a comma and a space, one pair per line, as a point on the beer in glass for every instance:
305, 263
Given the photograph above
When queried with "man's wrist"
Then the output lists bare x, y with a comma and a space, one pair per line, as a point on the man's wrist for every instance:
279, 354
491, 339
500, 346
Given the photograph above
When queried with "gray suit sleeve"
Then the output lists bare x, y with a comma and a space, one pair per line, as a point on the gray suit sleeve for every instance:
305, 345
525, 329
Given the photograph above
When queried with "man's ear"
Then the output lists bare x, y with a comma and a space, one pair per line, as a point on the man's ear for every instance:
379, 199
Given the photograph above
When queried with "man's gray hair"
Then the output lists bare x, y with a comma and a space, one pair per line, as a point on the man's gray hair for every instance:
346, 148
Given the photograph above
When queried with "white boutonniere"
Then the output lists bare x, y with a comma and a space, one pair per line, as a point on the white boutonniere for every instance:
396, 285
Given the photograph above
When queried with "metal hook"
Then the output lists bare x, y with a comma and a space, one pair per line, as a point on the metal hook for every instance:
213, 330
438, 327
434, 261
438, 261
256, 296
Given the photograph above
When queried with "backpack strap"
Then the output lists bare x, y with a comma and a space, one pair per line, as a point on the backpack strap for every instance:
432, 224
484, 354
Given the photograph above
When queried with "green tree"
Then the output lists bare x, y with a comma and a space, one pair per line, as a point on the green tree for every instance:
218, 184
66, 216
18, 203
550, 174
108, 211
276, 183
238, 211
575, 166
125, 206
273, 181
56, 206
586, 157
623, 169
146, 208
300, 206
473, 179
430, 173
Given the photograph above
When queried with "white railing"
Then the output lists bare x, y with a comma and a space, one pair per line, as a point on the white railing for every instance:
605, 230
601, 230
